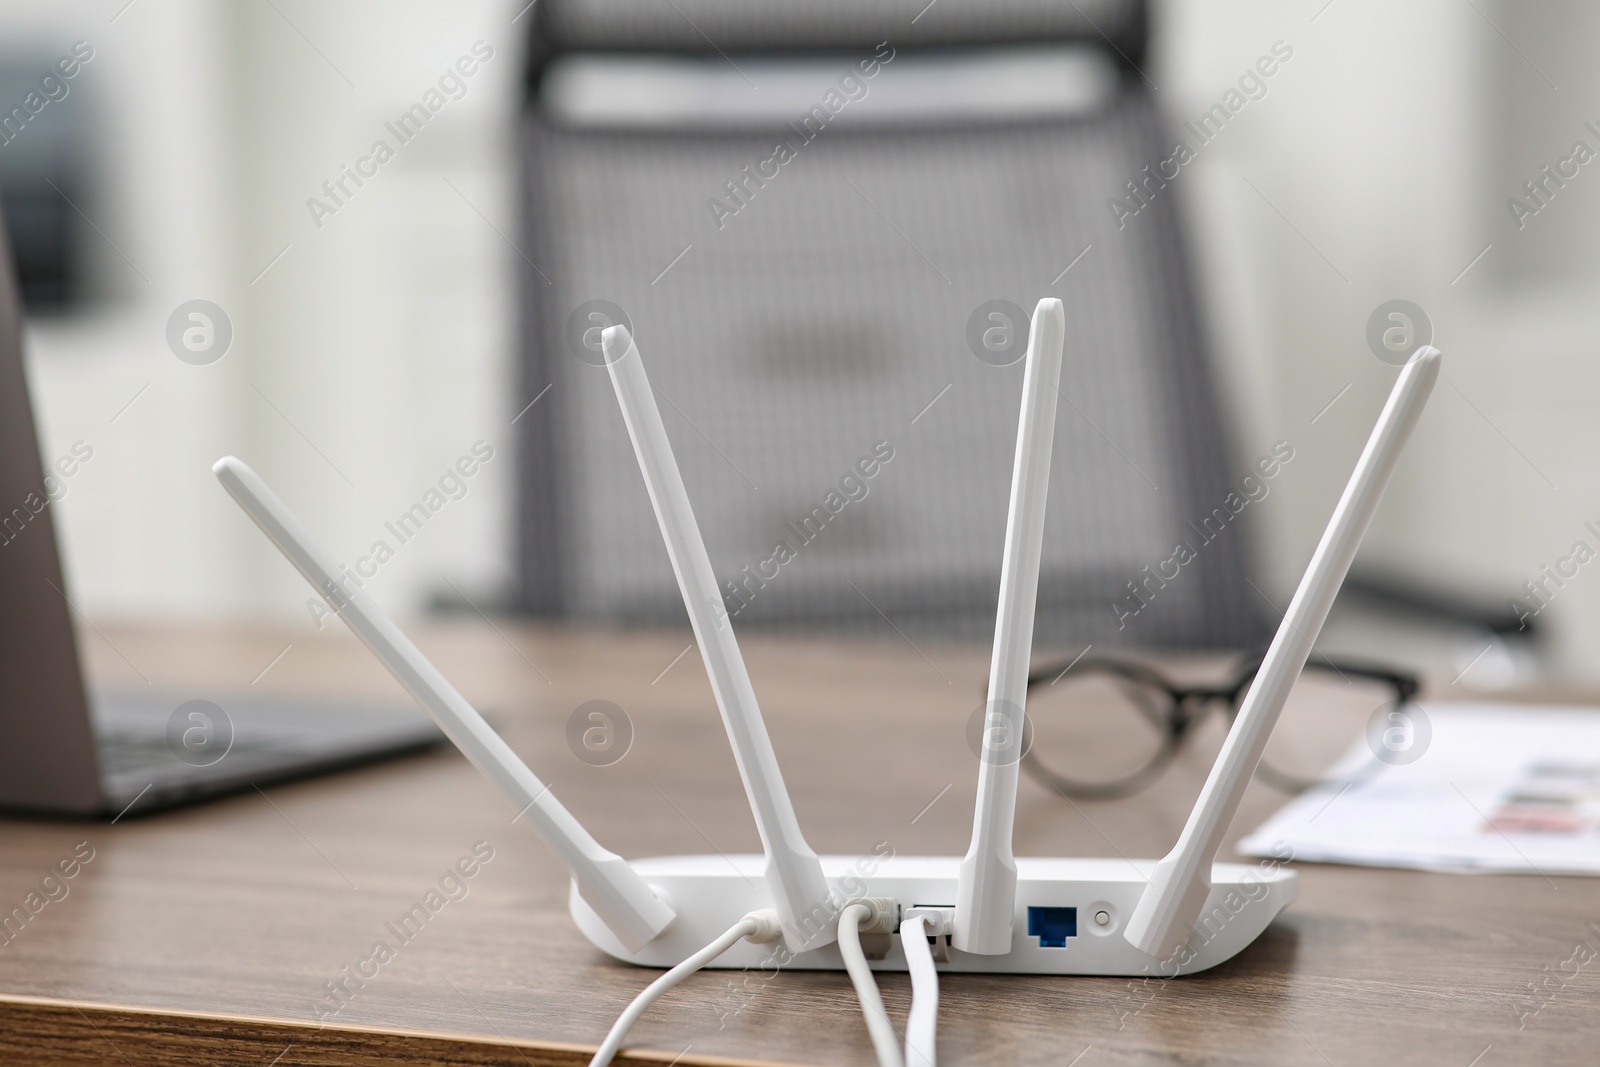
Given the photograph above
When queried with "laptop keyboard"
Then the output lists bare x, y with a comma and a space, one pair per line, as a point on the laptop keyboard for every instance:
126, 753
272, 740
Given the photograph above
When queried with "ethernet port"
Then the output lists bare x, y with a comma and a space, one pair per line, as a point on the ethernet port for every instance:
1052, 926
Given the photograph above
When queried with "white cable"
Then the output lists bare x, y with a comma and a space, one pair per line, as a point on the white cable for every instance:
758, 925
884, 1040
922, 1024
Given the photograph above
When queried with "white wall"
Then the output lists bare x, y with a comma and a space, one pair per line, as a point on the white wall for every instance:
1389, 143
164, 208
365, 361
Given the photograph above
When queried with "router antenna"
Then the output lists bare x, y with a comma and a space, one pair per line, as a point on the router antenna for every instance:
793, 873
987, 890
616, 892
1164, 919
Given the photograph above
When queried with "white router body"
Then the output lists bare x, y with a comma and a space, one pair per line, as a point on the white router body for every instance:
997, 913
1057, 894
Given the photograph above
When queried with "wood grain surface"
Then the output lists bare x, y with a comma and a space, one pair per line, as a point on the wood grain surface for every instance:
210, 934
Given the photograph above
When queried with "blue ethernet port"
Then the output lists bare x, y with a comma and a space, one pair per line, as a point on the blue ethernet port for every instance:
1052, 926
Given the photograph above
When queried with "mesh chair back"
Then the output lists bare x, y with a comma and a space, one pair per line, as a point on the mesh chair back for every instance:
819, 326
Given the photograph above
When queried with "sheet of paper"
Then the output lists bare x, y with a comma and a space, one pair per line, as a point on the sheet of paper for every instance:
1489, 787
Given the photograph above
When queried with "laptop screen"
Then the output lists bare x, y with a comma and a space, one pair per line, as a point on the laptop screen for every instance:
46, 745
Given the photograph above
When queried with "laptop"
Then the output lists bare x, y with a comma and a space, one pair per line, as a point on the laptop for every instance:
68, 749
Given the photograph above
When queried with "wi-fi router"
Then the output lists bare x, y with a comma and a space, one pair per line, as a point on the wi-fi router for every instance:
989, 910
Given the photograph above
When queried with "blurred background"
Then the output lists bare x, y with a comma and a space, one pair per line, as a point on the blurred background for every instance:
377, 338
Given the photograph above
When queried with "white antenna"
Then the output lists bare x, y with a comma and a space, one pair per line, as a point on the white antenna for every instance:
616, 892
793, 872
1163, 921
986, 893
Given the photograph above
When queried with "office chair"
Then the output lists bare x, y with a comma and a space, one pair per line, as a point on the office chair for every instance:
841, 305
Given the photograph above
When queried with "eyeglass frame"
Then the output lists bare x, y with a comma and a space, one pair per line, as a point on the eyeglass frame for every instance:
1189, 705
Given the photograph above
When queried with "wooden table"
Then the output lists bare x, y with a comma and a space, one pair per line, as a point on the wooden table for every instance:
207, 935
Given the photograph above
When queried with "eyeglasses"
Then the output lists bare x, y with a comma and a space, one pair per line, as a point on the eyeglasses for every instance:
1111, 727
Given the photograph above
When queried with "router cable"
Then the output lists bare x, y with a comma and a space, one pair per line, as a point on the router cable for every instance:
757, 926
923, 1021
875, 915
